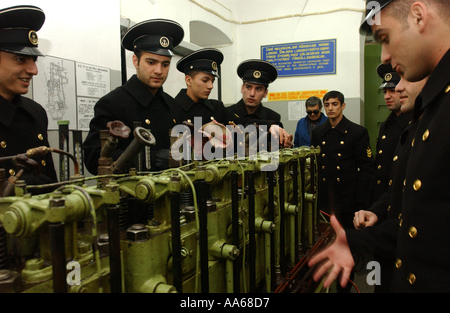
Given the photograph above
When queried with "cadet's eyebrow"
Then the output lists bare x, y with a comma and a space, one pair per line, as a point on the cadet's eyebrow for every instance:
376, 36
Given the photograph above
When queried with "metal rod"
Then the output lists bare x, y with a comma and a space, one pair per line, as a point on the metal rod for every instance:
64, 168
304, 211
176, 241
235, 230
271, 188
281, 198
200, 189
77, 136
113, 216
295, 200
58, 249
252, 230
3, 248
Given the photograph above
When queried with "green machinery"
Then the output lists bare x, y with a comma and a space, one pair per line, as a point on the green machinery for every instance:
246, 226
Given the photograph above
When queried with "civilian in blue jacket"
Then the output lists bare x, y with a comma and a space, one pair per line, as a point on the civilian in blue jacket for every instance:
305, 125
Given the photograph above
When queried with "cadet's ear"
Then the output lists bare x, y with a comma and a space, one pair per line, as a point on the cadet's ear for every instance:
188, 79
135, 61
420, 15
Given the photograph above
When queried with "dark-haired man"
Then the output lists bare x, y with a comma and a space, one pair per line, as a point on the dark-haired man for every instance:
18, 55
345, 161
142, 98
413, 36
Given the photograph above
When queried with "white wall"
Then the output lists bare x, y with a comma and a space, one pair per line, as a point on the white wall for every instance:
83, 31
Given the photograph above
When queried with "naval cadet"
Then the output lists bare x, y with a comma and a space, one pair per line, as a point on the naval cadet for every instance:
411, 31
201, 69
256, 76
345, 161
388, 207
142, 98
389, 133
23, 122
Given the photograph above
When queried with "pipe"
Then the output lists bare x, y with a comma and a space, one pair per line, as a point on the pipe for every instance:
115, 265
142, 137
235, 229
58, 248
176, 241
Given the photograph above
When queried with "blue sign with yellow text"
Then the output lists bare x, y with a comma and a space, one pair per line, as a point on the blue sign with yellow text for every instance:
302, 58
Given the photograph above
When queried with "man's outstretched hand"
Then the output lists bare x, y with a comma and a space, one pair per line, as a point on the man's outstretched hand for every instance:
336, 257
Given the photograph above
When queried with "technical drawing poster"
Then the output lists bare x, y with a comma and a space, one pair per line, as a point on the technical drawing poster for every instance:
54, 89
85, 112
92, 81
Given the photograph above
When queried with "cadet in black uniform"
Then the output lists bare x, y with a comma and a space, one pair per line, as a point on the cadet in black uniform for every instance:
410, 32
23, 122
256, 76
142, 98
389, 134
345, 161
201, 70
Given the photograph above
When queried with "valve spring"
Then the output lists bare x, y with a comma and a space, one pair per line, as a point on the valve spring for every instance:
186, 199
3, 249
151, 211
123, 217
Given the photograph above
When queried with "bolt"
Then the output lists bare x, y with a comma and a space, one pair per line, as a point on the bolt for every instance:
137, 232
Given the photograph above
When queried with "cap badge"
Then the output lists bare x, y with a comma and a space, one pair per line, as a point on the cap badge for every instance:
257, 74
32, 36
214, 66
388, 77
164, 41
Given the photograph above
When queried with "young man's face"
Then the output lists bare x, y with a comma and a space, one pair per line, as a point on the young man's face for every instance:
16, 72
334, 108
402, 46
392, 99
152, 70
200, 85
252, 94
408, 93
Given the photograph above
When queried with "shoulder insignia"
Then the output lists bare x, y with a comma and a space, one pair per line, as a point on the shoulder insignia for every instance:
236, 115
369, 152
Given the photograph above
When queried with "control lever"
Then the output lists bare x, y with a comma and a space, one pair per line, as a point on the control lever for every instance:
24, 164
142, 137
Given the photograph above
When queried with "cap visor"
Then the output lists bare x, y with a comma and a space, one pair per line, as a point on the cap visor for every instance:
23, 51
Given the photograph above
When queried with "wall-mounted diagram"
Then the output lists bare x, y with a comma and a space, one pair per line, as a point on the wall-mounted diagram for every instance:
56, 98
54, 89
68, 90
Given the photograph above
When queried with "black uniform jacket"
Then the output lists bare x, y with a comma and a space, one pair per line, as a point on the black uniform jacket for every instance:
23, 125
424, 240
382, 238
130, 103
214, 109
388, 137
345, 165
261, 113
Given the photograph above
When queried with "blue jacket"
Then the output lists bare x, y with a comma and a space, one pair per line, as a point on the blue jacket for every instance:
302, 136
